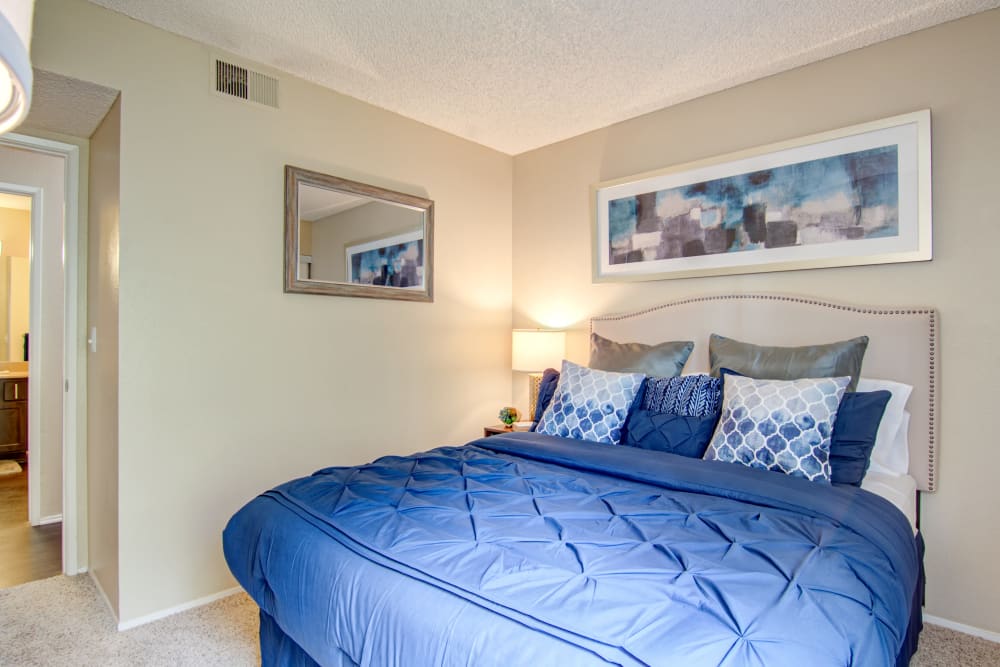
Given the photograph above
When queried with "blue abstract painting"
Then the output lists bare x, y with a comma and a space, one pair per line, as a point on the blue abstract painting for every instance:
848, 197
392, 265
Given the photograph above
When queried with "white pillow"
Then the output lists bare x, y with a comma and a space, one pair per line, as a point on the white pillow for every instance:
900, 490
891, 454
897, 458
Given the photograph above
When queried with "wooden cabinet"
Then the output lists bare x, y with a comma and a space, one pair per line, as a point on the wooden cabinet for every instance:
13, 418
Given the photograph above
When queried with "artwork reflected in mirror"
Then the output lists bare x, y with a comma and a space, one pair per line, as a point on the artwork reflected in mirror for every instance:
346, 238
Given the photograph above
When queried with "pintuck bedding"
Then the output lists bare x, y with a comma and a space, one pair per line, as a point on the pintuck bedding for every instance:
531, 549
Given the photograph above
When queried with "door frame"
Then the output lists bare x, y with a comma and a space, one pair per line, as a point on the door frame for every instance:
72, 440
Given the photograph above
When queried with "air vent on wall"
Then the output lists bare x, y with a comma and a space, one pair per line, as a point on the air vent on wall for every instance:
245, 84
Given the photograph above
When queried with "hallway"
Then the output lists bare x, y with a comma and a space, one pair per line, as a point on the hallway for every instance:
26, 553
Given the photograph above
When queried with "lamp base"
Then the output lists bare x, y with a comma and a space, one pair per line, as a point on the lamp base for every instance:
534, 384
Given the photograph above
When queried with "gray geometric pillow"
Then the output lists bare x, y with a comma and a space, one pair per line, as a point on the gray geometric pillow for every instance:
771, 362
662, 360
779, 425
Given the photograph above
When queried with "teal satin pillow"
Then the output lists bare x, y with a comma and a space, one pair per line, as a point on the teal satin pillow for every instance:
770, 362
662, 360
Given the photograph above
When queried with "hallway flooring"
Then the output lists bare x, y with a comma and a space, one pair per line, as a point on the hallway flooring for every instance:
26, 553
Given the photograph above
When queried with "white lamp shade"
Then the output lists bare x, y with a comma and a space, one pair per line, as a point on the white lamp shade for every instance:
535, 350
15, 63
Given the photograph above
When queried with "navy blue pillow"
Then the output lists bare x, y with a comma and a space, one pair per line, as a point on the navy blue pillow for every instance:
676, 415
546, 390
666, 432
854, 434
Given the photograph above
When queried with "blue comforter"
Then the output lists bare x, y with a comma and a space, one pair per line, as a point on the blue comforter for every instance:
530, 549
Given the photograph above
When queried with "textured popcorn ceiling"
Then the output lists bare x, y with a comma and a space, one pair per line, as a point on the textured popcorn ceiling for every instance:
519, 74
66, 105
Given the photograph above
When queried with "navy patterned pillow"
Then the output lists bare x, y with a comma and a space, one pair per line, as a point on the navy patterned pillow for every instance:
688, 395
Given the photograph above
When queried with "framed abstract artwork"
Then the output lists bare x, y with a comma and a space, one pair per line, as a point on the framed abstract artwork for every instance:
394, 261
857, 195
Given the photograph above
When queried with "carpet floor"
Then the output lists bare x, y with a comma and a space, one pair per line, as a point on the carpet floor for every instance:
62, 621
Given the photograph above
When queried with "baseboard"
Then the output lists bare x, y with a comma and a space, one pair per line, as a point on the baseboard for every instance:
962, 627
104, 596
46, 520
155, 616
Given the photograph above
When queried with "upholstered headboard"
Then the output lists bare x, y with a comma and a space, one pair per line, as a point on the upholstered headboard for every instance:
903, 345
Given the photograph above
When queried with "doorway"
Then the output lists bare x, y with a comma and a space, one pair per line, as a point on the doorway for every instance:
46, 172
27, 552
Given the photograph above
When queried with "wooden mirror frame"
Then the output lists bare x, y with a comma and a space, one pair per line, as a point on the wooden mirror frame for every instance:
296, 176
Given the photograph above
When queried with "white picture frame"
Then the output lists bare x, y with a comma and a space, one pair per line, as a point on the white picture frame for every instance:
853, 196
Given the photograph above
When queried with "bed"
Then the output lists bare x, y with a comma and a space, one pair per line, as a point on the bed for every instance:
530, 548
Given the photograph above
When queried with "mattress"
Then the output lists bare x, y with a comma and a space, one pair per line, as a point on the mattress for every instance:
900, 490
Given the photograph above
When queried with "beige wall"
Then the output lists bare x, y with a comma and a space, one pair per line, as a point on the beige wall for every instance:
227, 385
15, 234
952, 69
305, 237
102, 365
28, 168
15, 231
331, 235
18, 306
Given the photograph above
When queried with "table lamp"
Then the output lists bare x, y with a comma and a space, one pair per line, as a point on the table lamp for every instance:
532, 351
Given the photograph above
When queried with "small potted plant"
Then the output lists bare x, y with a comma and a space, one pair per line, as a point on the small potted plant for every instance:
508, 416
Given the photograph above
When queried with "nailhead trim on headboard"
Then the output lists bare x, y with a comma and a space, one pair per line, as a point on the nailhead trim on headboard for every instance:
932, 334
932, 384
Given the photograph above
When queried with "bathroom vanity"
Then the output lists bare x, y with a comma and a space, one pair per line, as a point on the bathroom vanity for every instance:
14, 416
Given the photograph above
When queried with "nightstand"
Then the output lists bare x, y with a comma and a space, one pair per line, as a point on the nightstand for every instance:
500, 428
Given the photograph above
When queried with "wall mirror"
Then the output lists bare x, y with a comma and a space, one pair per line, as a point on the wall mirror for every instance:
345, 238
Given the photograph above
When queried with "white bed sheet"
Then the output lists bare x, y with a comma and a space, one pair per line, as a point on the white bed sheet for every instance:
900, 490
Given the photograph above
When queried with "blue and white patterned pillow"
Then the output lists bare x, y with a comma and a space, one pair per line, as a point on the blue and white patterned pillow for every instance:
779, 425
688, 395
589, 404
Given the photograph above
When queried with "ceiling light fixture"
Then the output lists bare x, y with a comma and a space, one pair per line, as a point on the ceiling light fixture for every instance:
15, 62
